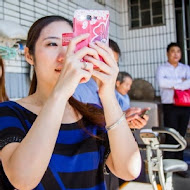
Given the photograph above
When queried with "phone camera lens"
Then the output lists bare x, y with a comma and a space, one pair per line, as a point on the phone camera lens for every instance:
88, 17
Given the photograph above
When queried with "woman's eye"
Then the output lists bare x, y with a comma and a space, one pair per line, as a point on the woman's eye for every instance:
52, 44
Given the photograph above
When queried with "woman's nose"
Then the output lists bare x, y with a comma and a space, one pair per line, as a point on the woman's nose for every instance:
61, 54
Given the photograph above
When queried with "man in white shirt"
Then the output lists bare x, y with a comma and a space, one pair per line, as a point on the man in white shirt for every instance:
174, 75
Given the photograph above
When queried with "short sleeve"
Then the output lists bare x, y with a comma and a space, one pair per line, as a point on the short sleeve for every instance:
11, 128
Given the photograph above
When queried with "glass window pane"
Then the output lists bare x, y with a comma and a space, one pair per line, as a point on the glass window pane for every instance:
134, 12
157, 8
145, 18
157, 20
134, 24
145, 4
134, 2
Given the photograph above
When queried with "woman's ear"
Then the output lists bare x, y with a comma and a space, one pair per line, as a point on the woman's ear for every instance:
28, 56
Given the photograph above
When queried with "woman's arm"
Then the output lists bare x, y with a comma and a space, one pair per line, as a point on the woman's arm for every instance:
125, 159
25, 163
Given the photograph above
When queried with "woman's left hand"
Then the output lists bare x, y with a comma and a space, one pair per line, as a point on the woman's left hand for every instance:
107, 71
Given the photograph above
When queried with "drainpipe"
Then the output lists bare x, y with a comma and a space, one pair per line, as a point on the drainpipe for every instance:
184, 32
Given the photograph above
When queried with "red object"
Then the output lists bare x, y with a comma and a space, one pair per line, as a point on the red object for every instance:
66, 38
182, 97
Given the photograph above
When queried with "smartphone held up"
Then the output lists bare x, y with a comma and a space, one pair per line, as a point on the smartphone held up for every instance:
94, 22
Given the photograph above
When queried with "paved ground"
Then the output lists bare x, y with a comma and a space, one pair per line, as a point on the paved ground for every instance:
181, 183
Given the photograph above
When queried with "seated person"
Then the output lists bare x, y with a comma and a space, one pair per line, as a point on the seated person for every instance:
123, 85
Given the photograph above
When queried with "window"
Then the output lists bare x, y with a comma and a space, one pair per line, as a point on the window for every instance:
146, 13
102, 2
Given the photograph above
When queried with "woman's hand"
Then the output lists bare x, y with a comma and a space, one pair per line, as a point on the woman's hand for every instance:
75, 71
107, 71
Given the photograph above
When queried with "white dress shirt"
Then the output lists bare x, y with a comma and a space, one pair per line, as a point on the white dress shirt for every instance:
170, 77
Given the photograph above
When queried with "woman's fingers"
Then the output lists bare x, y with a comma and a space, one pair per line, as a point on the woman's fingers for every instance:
101, 65
87, 66
85, 76
87, 51
104, 54
105, 47
102, 76
72, 45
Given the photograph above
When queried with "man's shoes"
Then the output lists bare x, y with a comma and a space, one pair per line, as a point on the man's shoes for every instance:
184, 174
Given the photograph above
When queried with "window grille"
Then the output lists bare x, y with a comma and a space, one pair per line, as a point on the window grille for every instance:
146, 13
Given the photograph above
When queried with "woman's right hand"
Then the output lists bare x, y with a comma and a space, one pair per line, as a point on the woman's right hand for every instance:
74, 70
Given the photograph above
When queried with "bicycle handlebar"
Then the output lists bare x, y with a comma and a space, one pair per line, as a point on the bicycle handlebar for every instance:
153, 140
175, 134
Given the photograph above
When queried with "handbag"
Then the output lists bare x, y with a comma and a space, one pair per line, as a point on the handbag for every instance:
182, 97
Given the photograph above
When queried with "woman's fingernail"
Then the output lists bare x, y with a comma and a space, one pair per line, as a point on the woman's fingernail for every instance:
97, 41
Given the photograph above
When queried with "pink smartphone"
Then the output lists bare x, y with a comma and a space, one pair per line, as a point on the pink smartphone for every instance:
94, 22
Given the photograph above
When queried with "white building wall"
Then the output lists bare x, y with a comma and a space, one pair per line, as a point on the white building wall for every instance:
143, 50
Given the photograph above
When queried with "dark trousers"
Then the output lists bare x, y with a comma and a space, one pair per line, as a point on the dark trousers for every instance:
176, 117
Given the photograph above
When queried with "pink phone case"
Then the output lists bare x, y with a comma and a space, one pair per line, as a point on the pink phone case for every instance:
94, 22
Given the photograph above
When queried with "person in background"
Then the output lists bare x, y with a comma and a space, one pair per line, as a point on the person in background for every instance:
3, 94
174, 75
52, 141
123, 85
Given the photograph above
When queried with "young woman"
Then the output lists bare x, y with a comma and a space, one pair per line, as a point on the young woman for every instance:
51, 141
3, 94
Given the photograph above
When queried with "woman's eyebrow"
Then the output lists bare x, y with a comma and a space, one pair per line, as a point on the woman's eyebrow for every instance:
51, 37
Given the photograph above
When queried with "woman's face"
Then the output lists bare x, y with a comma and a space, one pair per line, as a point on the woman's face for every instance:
124, 87
1, 71
49, 53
